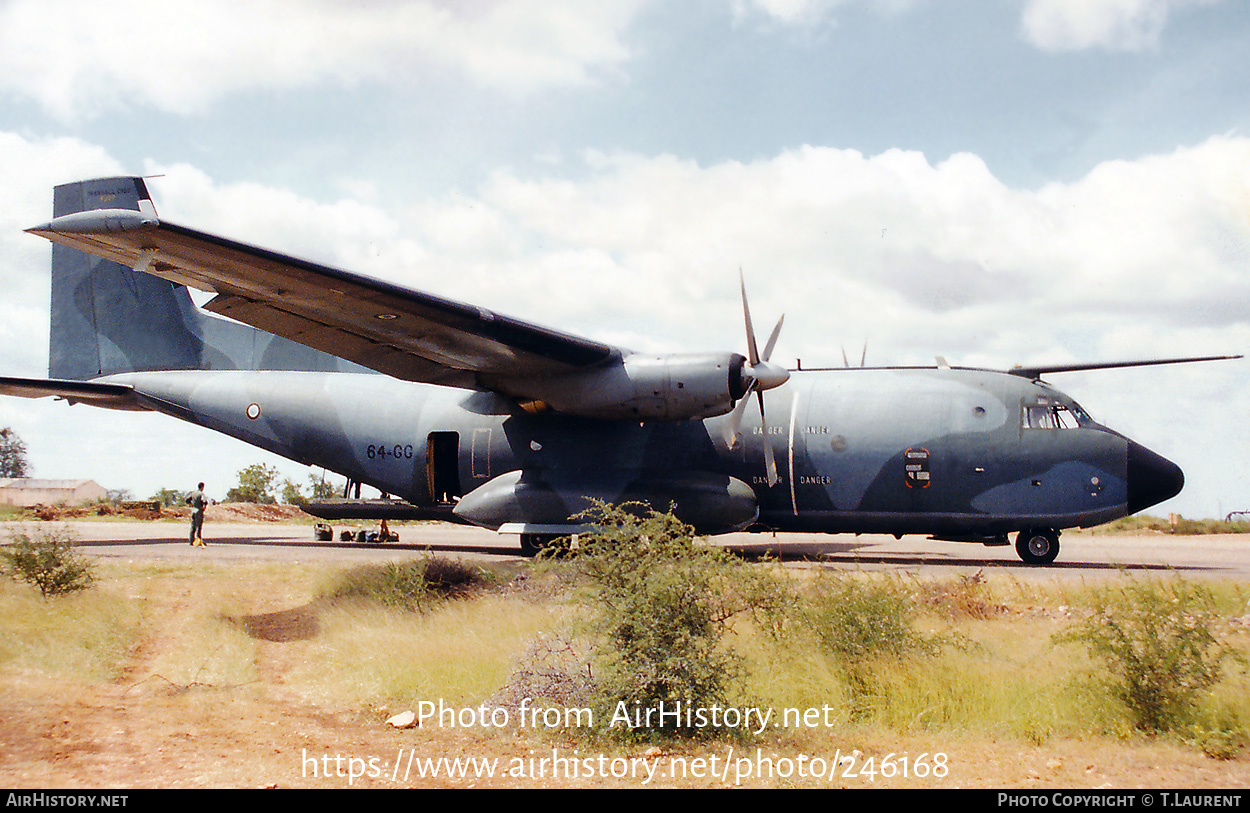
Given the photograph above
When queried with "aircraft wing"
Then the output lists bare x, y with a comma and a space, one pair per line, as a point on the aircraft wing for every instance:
388, 328
1039, 371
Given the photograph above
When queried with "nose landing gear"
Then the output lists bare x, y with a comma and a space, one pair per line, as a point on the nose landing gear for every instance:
1037, 546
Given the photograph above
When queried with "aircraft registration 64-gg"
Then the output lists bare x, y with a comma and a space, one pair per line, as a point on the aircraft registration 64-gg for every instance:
476, 417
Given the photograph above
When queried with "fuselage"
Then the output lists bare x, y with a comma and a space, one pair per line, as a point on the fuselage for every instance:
951, 452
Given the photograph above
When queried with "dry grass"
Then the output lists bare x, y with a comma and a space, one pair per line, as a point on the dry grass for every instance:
170, 676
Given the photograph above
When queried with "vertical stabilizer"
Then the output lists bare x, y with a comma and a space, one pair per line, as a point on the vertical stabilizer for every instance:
107, 318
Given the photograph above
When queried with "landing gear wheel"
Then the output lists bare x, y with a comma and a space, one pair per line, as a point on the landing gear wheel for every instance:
533, 544
1037, 546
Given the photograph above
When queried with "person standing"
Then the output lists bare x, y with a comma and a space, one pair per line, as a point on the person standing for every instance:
198, 502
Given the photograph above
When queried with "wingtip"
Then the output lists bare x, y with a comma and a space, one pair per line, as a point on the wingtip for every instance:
97, 221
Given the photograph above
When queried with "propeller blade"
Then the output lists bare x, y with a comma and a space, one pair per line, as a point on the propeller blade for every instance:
734, 424
759, 374
772, 339
770, 461
753, 356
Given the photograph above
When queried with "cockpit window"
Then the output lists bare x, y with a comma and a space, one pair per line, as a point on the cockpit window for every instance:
1065, 418
1039, 417
1048, 415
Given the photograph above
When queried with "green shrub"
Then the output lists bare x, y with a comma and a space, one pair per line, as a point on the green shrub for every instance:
1218, 739
862, 626
1157, 644
660, 603
50, 561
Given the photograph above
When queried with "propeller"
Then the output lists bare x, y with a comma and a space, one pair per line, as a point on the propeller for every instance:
758, 374
863, 357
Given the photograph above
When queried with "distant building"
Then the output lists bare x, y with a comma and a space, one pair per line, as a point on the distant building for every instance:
27, 491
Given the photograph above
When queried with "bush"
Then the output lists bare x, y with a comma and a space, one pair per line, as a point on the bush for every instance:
958, 598
50, 561
857, 621
411, 585
660, 603
1157, 644
862, 626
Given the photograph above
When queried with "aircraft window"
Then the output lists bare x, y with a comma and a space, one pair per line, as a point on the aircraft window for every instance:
1039, 417
1048, 416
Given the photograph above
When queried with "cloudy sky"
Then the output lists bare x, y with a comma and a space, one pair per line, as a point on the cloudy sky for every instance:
1027, 181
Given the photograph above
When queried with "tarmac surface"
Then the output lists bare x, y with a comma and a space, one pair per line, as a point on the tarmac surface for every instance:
1081, 554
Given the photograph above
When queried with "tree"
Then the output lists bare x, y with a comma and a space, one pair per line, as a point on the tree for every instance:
291, 494
13, 461
169, 497
323, 489
255, 483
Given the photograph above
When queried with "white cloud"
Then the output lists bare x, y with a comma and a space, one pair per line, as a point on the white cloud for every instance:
650, 246
30, 169
808, 13
893, 240
1117, 25
788, 12
919, 257
80, 58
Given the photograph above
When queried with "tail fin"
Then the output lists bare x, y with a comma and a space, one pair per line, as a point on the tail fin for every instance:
108, 318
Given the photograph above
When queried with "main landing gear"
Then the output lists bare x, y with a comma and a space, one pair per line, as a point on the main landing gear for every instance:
1037, 546
534, 544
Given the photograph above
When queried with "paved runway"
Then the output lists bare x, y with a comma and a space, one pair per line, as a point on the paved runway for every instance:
1081, 554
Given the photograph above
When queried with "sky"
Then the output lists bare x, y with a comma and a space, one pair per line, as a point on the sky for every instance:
992, 181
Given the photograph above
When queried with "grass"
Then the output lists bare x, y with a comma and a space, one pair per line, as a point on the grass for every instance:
999, 672
1144, 523
412, 585
79, 637
460, 652
996, 677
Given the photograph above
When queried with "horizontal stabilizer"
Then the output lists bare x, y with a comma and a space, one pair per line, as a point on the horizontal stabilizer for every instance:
109, 396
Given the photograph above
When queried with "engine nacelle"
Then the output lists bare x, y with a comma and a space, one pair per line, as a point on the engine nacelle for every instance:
644, 387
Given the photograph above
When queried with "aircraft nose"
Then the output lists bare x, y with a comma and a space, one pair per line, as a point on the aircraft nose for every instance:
1152, 478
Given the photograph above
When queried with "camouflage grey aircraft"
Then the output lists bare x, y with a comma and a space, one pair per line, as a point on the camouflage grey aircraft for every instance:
475, 417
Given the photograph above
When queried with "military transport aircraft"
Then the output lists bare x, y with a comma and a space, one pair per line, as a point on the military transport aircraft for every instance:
480, 418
